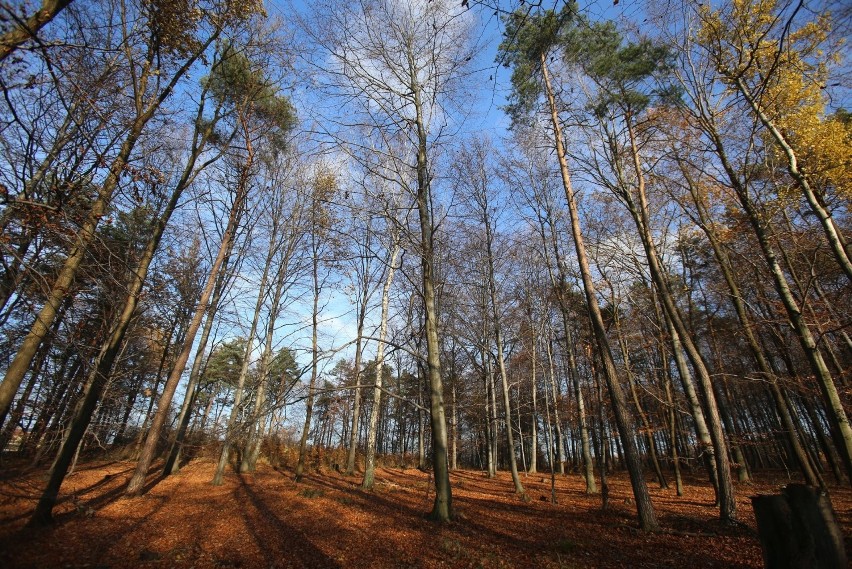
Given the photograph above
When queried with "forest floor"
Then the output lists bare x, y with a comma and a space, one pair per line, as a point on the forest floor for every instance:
266, 520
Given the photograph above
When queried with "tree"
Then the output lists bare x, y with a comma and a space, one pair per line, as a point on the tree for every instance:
400, 82
621, 71
146, 74
780, 72
25, 28
393, 252
323, 187
530, 175
474, 172
527, 41
99, 376
260, 113
287, 227
713, 116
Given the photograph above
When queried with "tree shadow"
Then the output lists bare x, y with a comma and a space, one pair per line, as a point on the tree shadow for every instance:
277, 539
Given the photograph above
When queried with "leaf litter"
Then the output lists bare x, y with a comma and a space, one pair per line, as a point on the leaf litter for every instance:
267, 520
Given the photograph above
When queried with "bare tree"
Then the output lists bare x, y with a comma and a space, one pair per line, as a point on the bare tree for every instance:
399, 64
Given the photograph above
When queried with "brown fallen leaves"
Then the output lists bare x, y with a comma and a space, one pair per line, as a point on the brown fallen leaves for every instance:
266, 520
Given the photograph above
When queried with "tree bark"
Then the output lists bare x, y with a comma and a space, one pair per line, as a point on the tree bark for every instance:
24, 30
644, 507
370, 459
137, 482
800, 327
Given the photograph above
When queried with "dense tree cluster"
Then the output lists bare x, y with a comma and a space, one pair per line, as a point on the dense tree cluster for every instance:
258, 238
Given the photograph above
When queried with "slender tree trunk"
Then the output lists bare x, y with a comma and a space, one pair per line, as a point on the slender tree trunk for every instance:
641, 216
356, 405
643, 417
173, 461
520, 432
421, 421
309, 402
644, 507
504, 379
18, 412
556, 397
839, 419
534, 430
550, 449
723, 260
137, 482
255, 438
100, 374
489, 425
672, 420
833, 235
370, 459
230, 431
454, 419
443, 507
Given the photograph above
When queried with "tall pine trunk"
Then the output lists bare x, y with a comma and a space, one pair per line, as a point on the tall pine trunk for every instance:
624, 422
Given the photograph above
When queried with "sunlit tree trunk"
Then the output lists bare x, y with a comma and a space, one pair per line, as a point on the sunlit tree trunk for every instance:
496, 326
724, 262
835, 237
370, 459
555, 397
624, 423
443, 506
137, 482
639, 210
230, 430
533, 391
24, 30
837, 413
315, 234
173, 460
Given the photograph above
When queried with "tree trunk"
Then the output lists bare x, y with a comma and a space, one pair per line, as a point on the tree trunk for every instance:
534, 430
241, 381
724, 262
173, 461
833, 235
309, 402
370, 459
27, 29
102, 369
556, 397
442, 509
137, 482
644, 507
839, 419
641, 216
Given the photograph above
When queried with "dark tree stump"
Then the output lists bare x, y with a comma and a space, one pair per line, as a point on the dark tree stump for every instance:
798, 530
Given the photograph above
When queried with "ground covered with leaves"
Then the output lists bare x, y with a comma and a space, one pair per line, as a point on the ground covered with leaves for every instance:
267, 520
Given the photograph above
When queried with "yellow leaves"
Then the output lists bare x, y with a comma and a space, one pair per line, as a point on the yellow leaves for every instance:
751, 39
783, 68
824, 148
244, 9
173, 23
325, 184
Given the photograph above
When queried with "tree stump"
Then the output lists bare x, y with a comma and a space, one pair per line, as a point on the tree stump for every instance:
798, 529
